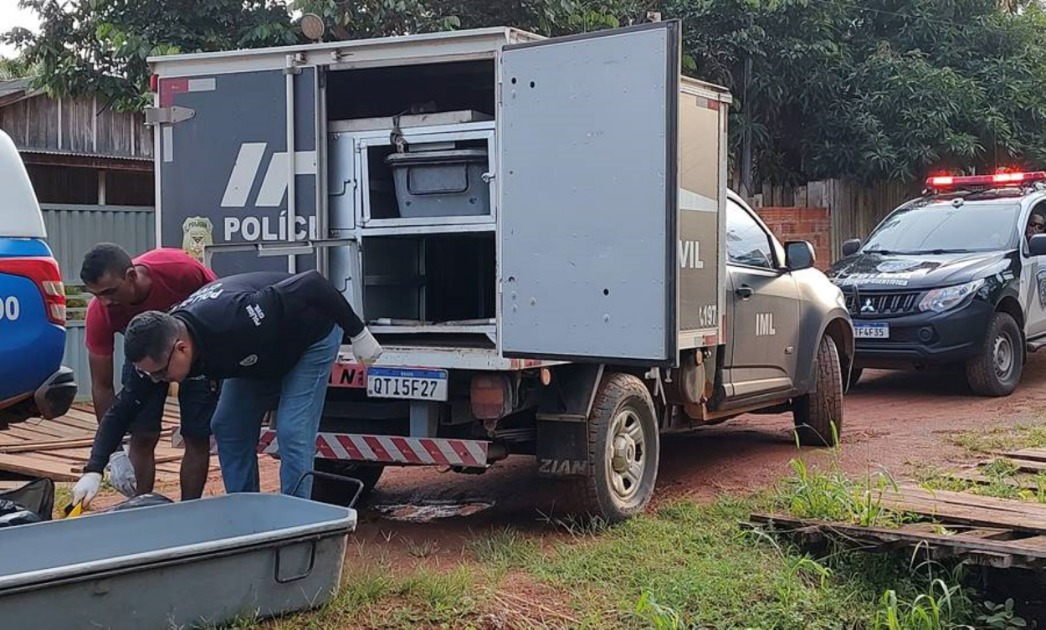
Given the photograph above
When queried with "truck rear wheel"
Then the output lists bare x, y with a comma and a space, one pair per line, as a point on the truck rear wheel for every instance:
997, 370
340, 493
623, 450
819, 415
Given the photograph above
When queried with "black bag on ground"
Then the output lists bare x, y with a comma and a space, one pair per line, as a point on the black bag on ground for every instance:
142, 500
36, 497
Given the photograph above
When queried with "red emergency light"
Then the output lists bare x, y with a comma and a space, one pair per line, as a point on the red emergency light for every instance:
951, 181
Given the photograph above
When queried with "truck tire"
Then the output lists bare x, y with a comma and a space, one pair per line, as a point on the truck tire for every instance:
997, 370
819, 414
338, 493
623, 450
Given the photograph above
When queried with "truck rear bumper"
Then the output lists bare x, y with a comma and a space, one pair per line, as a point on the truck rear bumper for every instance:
391, 449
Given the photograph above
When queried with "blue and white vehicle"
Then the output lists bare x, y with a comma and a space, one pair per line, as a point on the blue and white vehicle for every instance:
33, 381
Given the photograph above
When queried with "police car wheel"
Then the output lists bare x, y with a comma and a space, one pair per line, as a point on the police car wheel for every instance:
819, 415
997, 370
623, 451
341, 493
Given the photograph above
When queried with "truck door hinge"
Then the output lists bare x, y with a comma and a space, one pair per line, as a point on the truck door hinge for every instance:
168, 115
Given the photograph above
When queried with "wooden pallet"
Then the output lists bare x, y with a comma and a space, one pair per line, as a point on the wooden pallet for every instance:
994, 532
59, 448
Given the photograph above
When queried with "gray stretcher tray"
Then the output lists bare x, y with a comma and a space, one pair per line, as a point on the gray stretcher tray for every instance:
197, 563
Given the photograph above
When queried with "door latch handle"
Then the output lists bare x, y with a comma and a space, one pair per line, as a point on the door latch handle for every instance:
744, 292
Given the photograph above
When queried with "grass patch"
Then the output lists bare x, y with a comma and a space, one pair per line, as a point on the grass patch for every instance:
503, 548
1001, 438
691, 565
376, 597
830, 495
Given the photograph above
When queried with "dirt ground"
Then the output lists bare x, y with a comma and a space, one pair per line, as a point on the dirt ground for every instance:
894, 421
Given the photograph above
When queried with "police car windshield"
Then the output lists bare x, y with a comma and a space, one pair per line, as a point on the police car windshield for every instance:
941, 228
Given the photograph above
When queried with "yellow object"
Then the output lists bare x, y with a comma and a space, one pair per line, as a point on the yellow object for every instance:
72, 511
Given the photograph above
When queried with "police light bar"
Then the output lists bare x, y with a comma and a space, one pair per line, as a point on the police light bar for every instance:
950, 181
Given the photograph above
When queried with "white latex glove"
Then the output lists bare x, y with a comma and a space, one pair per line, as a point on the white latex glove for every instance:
121, 473
87, 488
366, 348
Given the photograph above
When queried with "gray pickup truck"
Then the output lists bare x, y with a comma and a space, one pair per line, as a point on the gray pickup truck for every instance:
538, 231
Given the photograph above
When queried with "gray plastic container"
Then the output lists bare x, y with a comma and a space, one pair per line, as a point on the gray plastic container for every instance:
441, 183
197, 563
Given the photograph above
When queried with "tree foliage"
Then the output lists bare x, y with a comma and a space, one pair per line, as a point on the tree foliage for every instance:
823, 88
101, 46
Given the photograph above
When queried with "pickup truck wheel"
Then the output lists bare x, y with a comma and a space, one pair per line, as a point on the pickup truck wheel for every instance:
819, 415
997, 370
340, 493
623, 450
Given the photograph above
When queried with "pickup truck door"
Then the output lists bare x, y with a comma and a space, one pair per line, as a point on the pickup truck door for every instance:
762, 308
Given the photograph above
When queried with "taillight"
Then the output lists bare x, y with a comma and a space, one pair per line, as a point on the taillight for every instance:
47, 277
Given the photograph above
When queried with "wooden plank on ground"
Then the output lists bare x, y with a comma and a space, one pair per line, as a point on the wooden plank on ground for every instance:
966, 509
1033, 454
1023, 465
995, 553
37, 447
35, 467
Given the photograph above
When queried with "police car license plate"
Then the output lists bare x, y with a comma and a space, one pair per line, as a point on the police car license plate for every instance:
406, 383
872, 331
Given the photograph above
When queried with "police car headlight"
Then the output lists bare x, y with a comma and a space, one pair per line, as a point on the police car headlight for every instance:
940, 300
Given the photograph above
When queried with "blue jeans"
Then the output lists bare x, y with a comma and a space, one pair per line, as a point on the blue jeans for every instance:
242, 405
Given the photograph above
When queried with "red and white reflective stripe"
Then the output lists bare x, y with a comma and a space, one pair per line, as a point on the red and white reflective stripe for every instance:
391, 449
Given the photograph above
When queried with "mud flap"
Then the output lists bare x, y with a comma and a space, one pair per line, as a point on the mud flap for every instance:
562, 448
562, 420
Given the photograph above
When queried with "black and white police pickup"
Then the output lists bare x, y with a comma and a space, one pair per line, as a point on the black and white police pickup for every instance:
538, 231
955, 278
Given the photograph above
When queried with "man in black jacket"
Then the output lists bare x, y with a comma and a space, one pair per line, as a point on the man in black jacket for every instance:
272, 339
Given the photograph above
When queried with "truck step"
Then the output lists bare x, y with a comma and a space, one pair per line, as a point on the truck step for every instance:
391, 449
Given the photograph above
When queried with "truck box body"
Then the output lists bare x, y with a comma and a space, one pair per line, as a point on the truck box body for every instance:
534, 229
593, 233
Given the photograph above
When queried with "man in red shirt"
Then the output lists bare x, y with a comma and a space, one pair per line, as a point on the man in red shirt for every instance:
157, 280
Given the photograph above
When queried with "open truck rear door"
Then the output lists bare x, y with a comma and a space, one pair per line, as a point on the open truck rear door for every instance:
589, 174
223, 168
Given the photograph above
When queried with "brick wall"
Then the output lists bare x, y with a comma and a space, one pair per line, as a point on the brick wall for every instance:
802, 224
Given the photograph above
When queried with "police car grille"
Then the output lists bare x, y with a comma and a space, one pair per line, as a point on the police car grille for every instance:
880, 304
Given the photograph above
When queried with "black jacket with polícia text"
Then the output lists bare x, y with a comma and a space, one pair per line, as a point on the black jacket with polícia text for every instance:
252, 325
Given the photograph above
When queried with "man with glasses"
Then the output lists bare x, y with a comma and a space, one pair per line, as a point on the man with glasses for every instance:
123, 288
272, 338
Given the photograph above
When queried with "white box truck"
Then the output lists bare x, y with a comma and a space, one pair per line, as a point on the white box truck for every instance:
538, 231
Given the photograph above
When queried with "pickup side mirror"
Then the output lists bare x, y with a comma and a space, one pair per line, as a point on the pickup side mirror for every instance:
1037, 245
799, 255
851, 247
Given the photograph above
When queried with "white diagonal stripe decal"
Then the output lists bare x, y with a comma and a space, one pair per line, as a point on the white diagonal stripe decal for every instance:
243, 174
275, 183
476, 451
391, 448
365, 449
448, 452
420, 450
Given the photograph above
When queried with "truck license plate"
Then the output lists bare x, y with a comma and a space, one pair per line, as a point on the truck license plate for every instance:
411, 384
872, 331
